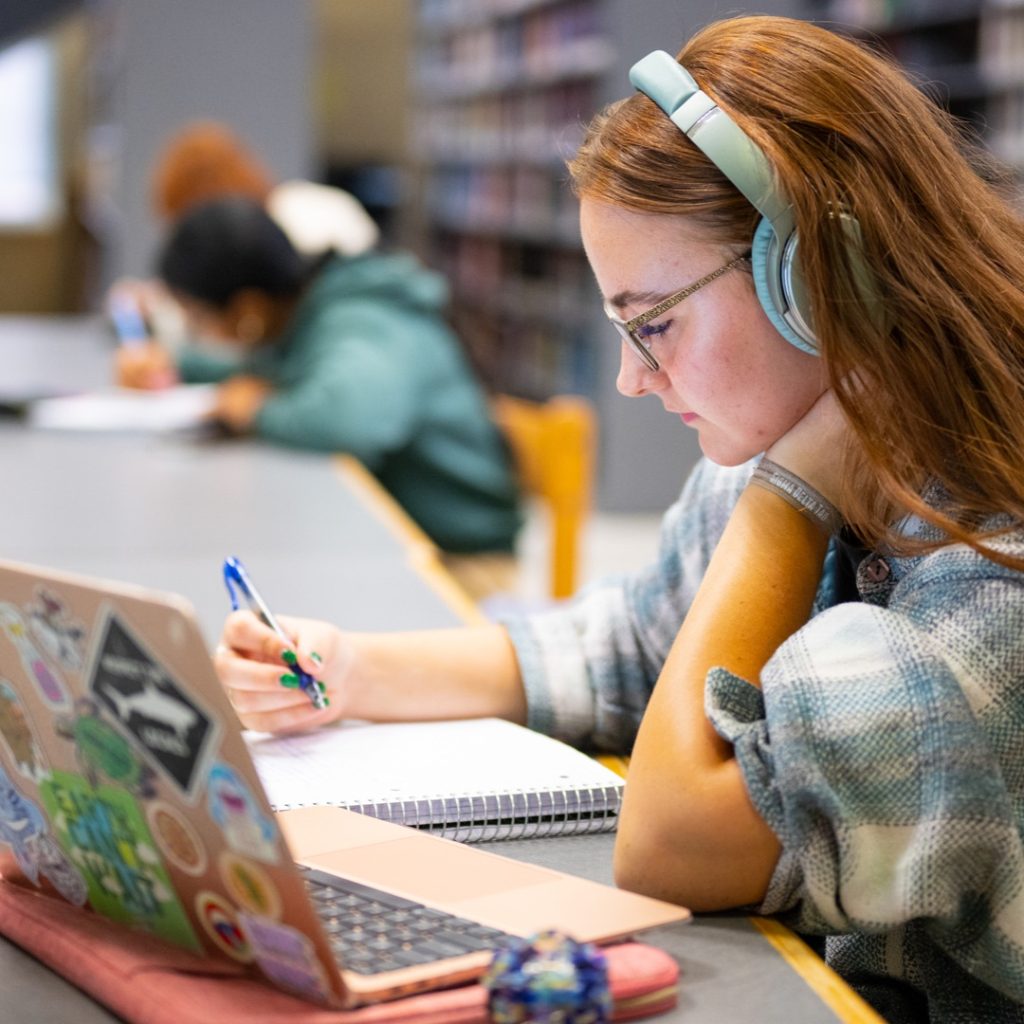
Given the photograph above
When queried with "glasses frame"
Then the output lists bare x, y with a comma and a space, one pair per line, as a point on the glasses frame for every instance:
628, 328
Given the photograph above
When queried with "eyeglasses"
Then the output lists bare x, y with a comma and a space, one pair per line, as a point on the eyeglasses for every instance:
630, 329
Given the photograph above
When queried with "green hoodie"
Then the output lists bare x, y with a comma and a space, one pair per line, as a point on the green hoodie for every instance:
368, 366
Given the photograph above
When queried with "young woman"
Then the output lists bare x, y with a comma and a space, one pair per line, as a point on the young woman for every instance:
822, 679
340, 354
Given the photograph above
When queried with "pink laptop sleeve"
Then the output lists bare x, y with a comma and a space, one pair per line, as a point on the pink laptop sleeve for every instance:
145, 980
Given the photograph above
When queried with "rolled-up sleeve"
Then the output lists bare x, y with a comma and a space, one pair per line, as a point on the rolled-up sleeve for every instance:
884, 750
589, 666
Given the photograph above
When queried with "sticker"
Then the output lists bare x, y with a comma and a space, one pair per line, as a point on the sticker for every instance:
219, 921
63, 875
102, 752
61, 636
231, 804
49, 681
286, 957
177, 839
21, 823
106, 835
17, 734
249, 885
169, 726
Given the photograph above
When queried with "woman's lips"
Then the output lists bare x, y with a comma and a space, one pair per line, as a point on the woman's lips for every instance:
687, 417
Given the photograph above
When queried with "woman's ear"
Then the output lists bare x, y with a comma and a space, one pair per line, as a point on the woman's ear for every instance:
251, 314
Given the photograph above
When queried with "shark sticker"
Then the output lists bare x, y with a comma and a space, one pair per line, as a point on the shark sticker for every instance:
169, 726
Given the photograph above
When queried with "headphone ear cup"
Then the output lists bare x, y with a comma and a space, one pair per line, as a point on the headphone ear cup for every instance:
766, 261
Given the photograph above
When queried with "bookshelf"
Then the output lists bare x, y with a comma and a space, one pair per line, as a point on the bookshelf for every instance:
503, 88
1001, 56
968, 55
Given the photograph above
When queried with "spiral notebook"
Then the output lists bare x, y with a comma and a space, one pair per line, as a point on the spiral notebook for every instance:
474, 780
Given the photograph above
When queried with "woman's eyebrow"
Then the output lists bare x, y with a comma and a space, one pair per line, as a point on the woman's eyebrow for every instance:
629, 298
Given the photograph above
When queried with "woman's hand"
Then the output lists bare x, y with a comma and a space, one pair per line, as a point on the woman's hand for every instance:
814, 447
239, 400
148, 366
259, 683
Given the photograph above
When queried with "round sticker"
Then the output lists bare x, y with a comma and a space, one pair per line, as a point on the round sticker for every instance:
177, 839
220, 922
249, 885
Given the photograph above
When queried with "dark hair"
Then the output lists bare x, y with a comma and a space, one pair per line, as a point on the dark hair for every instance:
227, 245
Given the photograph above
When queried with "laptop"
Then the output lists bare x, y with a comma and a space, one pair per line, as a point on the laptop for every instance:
126, 787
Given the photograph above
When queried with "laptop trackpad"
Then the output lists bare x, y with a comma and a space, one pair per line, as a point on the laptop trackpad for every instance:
432, 870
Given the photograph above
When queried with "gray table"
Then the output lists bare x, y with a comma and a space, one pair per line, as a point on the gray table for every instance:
164, 512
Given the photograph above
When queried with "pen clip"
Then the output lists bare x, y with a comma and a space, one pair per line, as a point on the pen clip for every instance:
234, 575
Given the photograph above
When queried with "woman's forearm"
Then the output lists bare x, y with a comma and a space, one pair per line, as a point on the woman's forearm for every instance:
436, 674
688, 830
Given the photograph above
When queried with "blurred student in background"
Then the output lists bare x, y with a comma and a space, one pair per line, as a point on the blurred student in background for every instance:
207, 160
341, 354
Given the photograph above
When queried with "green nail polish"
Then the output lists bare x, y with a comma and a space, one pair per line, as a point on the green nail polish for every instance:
292, 682
322, 687
316, 657
288, 657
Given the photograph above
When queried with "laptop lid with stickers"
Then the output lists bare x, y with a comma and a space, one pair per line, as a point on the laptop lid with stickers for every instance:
126, 787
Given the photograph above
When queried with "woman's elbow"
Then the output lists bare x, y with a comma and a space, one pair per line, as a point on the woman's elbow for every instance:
706, 869
644, 863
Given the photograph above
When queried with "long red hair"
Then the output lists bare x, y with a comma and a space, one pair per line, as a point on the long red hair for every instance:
929, 369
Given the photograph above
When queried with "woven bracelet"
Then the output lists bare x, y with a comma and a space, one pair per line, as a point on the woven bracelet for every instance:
798, 493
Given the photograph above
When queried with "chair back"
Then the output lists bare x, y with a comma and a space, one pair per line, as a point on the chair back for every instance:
553, 444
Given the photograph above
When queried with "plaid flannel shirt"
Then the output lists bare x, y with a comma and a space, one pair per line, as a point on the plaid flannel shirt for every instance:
885, 748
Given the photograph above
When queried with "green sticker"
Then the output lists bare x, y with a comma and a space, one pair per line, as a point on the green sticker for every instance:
106, 750
106, 835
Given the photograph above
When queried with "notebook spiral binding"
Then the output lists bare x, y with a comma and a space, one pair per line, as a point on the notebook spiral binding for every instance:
485, 817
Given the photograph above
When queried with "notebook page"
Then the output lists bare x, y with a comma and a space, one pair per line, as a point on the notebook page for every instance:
360, 763
124, 409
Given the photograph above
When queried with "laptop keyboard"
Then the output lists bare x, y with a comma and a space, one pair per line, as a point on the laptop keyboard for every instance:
371, 931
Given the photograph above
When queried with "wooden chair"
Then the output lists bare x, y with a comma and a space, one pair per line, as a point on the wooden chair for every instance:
554, 445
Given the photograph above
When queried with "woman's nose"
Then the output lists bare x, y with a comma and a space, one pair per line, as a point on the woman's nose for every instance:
634, 379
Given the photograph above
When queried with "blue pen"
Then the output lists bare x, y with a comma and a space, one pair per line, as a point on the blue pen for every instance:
236, 576
127, 319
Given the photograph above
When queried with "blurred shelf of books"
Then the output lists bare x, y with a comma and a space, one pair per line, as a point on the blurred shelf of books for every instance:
503, 89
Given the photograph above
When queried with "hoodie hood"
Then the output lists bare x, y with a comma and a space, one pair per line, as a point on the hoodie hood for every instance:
397, 278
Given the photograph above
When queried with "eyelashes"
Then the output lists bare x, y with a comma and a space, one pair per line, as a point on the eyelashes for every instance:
652, 330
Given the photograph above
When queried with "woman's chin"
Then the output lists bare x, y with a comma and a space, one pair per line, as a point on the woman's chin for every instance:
724, 453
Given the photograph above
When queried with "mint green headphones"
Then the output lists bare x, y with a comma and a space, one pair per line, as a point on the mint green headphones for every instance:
774, 249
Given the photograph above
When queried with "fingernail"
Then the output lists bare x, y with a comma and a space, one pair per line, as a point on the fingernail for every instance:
316, 657
322, 687
289, 680
289, 657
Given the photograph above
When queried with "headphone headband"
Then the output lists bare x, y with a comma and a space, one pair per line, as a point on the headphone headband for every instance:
661, 77
741, 160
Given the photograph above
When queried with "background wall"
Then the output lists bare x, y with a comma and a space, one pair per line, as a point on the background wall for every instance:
241, 61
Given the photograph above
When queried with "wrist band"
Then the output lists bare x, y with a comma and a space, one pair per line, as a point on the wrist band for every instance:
798, 493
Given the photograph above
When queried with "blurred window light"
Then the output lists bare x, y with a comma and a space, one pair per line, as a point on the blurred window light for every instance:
29, 185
